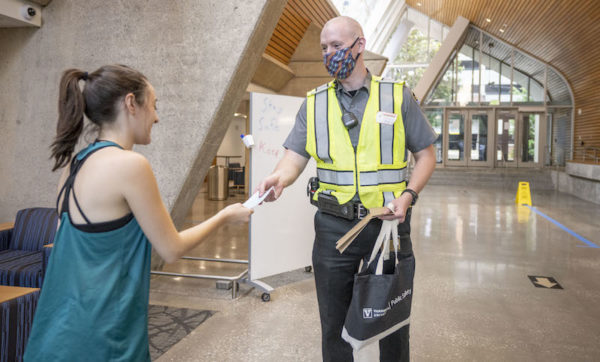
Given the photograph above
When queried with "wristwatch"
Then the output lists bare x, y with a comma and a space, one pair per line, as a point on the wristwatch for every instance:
412, 193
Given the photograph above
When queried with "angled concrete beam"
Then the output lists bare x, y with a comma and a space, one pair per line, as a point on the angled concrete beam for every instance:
271, 73
249, 58
441, 58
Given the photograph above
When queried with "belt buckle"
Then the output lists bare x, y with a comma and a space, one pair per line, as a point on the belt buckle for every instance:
359, 211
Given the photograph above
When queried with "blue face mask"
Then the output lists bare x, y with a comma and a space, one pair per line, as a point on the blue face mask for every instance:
340, 64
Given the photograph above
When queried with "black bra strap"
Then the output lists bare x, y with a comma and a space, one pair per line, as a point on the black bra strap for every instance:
79, 207
68, 186
62, 189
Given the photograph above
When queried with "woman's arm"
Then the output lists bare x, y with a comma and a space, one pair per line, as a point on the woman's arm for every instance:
141, 193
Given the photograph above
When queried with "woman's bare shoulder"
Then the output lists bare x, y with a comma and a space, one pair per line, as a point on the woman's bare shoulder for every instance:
129, 164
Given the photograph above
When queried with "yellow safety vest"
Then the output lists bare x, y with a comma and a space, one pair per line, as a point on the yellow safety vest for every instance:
377, 171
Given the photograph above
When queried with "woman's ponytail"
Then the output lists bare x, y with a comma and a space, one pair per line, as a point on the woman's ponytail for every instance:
71, 107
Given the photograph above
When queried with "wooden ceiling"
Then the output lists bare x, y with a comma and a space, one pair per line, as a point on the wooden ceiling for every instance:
292, 25
565, 34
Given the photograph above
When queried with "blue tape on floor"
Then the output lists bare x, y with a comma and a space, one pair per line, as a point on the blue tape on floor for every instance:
581, 238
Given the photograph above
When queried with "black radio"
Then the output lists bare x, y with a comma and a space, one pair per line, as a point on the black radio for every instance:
311, 188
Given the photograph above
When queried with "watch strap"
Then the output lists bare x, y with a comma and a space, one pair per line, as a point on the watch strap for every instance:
412, 193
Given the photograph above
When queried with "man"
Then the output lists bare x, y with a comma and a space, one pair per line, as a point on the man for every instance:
358, 128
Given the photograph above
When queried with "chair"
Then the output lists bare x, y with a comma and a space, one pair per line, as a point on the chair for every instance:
22, 252
236, 174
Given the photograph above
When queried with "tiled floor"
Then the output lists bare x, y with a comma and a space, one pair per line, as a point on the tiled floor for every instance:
473, 299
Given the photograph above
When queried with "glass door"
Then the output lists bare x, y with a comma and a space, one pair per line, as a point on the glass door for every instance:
530, 131
467, 137
479, 125
519, 139
456, 137
506, 139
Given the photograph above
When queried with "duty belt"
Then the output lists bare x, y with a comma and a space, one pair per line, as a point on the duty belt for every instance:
329, 204
350, 210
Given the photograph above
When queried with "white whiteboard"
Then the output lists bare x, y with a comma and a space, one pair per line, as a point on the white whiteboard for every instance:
281, 232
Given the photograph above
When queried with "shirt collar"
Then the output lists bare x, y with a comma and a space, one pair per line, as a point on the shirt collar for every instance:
366, 85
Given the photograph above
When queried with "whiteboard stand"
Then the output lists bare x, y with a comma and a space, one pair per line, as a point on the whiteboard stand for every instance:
234, 280
280, 237
280, 233
266, 288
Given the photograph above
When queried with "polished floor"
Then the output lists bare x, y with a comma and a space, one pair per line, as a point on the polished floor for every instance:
473, 300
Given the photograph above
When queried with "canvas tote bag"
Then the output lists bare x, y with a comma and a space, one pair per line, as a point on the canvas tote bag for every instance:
381, 302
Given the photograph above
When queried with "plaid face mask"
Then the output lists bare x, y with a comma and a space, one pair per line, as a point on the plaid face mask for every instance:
340, 64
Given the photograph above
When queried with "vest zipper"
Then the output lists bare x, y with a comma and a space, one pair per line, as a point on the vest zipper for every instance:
356, 170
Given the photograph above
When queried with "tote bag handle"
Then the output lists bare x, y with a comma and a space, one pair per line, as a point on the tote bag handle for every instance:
389, 228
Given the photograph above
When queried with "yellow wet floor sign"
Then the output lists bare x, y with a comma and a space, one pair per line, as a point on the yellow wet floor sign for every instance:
523, 194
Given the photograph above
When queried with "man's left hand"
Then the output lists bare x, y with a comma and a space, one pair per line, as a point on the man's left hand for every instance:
400, 205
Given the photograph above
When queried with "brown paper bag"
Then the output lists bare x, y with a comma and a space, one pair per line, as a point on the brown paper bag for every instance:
349, 237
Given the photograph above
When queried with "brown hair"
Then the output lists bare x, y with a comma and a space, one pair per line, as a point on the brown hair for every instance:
98, 101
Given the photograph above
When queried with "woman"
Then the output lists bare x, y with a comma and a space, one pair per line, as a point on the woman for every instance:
94, 301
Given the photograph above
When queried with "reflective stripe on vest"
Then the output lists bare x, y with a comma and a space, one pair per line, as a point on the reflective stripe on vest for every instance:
380, 177
388, 197
321, 127
341, 178
377, 169
386, 131
367, 178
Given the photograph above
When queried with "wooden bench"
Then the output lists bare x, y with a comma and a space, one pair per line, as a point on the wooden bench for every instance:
17, 307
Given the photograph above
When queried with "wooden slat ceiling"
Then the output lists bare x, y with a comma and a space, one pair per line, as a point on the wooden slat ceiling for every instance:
292, 25
565, 34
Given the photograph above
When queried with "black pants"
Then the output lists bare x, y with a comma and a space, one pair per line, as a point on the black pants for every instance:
334, 278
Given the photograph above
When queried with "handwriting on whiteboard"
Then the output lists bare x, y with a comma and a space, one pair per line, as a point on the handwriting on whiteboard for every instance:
268, 117
268, 149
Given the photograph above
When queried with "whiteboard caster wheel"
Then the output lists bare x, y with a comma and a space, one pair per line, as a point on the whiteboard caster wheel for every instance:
265, 297
308, 269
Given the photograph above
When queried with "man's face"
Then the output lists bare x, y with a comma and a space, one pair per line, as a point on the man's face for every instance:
335, 37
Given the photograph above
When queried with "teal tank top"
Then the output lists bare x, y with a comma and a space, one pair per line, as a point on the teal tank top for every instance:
93, 304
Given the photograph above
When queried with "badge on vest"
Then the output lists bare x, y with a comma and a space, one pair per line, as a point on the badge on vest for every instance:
386, 118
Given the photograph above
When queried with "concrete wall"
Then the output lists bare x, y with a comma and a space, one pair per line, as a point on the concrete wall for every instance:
199, 55
581, 180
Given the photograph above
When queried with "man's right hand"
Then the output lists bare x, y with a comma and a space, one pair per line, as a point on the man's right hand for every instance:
273, 180
286, 172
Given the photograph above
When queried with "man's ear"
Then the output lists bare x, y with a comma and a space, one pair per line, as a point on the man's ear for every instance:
362, 42
130, 104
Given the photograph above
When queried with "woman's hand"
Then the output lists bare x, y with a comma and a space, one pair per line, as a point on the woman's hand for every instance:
236, 214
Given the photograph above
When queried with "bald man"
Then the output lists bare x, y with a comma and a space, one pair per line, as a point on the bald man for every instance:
358, 128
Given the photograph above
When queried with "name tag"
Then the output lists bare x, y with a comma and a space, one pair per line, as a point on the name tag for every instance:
386, 118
